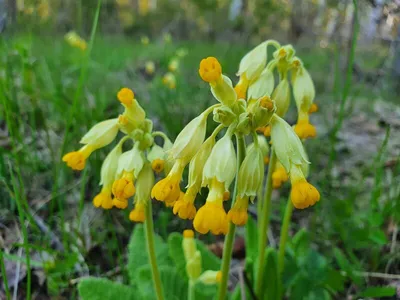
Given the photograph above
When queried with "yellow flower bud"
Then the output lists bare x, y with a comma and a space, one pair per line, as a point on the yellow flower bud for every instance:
253, 62
190, 139
288, 147
210, 70
73, 39
134, 113
210, 277
281, 96
238, 213
279, 176
173, 65
261, 112
138, 214
101, 134
192, 255
221, 164
169, 80
303, 194
126, 96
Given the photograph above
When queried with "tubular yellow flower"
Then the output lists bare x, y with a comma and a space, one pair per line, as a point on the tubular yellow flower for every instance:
173, 65
212, 216
158, 165
145, 40
221, 86
76, 160
210, 70
168, 189
184, 206
241, 87
75, 40
126, 96
124, 187
304, 129
103, 199
138, 213
279, 176
120, 203
238, 213
303, 194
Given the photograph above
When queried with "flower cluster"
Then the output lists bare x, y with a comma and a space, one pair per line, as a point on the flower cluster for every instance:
252, 104
124, 174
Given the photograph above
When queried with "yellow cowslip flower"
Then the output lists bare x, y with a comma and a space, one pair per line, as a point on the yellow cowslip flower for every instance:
173, 65
156, 157
169, 80
168, 189
281, 96
75, 40
134, 115
279, 176
250, 178
149, 67
126, 18
107, 174
98, 136
143, 7
184, 207
210, 277
283, 57
144, 184
303, 194
145, 40
304, 94
181, 52
212, 216
122, 2
130, 165
210, 71
167, 37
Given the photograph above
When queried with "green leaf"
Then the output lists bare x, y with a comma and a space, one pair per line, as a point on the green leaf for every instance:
251, 239
345, 265
137, 255
335, 280
315, 265
174, 286
271, 275
378, 291
319, 294
301, 242
378, 236
103, 289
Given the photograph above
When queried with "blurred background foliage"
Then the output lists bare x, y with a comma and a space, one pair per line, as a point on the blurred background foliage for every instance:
347, 246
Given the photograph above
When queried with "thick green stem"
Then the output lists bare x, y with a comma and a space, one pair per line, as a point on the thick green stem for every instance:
191, 295
230, 237
149, 229
265, 216
284, 235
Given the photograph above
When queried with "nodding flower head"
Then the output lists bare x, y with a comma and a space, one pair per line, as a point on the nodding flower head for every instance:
103, 199
303, 194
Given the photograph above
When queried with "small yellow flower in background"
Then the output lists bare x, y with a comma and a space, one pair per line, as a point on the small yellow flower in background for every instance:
181, 52
169, 80
43, 10
126, 18
173, 65
75, 40
210, 277
149, 67
122, 3
145, 40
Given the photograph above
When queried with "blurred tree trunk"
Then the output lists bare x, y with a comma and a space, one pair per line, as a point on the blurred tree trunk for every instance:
12, 10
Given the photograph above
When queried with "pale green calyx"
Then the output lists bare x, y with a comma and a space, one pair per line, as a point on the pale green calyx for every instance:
224, 115
109, 166
101, 134
224, 92
131, 161
251, 173
281, 96
286, 143
144, 184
